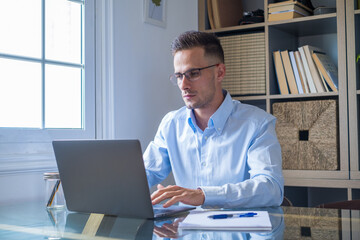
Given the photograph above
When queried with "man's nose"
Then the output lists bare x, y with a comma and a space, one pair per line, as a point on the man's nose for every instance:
184, 84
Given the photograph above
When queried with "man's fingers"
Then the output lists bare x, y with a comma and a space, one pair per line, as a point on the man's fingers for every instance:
161, 190
173, 200
177, 194
163, 196
164, 233
170, 227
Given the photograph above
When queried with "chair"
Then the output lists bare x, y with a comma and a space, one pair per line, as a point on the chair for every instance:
286, 202
350, 204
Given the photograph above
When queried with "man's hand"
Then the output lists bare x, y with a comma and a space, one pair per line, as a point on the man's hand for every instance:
176, 194
168, 230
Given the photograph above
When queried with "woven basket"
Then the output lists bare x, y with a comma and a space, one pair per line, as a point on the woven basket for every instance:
312, 223
308, 134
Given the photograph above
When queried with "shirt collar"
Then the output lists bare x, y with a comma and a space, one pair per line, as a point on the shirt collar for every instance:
218, 119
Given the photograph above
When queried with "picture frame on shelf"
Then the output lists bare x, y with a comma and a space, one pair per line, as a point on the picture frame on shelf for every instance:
155, 12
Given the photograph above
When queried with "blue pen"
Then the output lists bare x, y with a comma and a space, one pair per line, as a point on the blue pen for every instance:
223, 216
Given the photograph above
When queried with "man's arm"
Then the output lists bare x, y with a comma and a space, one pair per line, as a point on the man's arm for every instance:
156, 156
265, 185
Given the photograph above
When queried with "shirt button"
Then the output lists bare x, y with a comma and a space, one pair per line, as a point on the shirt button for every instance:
206, 138
203, 164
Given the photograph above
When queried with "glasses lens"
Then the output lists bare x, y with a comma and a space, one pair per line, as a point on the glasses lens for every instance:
173, 79
193, 74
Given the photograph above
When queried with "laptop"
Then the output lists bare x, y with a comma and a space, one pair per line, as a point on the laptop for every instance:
108, 177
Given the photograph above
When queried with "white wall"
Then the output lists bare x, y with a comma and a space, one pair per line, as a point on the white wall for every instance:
143, 63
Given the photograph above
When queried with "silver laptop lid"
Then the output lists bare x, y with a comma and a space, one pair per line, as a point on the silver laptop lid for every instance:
104, 176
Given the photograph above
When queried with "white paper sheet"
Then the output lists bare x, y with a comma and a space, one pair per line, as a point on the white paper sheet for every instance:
201, 220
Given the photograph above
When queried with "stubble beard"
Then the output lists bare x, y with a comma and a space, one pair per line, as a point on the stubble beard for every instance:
204, 101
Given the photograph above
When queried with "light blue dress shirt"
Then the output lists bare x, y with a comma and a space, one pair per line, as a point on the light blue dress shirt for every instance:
236, 160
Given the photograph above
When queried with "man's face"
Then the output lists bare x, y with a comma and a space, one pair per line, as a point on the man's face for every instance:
198, 94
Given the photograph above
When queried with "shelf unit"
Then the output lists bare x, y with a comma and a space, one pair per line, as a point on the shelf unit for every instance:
352, 39
328, 32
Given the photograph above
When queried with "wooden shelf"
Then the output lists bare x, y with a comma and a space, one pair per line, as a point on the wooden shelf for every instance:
250, 98
305, 26
307, 18
305, 95
252, 27
289, 96
327, 183
316, 174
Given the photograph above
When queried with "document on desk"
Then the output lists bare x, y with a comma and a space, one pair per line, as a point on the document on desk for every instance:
227, 220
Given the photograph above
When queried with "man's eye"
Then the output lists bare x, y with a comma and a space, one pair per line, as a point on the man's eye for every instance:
194, 73
178, 75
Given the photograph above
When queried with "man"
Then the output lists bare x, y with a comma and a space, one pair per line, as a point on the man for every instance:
222, 153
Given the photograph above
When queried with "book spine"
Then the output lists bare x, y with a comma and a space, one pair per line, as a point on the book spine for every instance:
313, 70
280, 73
296, 72
289, 72
307, 71
302, 75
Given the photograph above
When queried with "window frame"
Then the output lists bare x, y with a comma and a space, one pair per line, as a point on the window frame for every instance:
13, 157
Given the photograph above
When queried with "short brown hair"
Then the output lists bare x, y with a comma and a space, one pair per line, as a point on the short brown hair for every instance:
191, 39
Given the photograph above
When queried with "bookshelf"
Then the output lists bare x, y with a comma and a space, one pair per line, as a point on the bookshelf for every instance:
328, 32
352, 40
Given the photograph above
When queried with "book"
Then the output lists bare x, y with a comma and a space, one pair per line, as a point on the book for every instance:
289, 72
203, 220
313, 69
226, 13
210, 14
296, 72
284, 16
280, 73
301, 70
293, 7
289, 3
324, 82
309, 78
327, 69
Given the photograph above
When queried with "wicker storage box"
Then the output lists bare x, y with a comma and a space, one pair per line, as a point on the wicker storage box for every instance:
245, 63
312, 223
308, 134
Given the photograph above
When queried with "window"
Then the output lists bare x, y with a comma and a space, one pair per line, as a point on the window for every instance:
47, 74
41, 64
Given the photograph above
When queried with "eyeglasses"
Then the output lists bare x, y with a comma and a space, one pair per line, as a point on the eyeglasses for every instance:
191, 75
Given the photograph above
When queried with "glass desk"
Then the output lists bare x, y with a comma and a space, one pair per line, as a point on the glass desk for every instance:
33, 221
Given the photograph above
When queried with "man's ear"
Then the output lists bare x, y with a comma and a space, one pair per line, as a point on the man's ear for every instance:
221, 69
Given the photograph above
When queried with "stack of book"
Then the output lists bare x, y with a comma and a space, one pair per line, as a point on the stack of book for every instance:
306, 70
287, 10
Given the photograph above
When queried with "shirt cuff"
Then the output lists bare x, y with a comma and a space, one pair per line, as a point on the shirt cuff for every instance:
214, 196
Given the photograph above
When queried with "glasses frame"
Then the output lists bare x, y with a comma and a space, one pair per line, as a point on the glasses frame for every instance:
175, 80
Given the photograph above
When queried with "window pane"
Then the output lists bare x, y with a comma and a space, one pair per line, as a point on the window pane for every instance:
63, 97
20, 94
20, 27
63, 31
